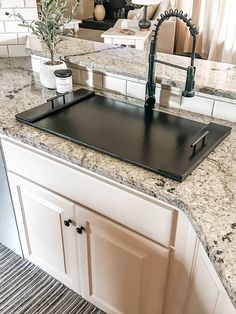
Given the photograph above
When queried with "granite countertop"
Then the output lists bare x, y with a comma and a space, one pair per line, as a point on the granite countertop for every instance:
211, 77
207, 196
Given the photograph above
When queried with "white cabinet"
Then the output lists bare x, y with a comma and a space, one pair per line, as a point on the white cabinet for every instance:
111, 266
193, 284
204, 291
121, 271
134, 255
46, 241
135, 210
181, 266
224, 304
207, 294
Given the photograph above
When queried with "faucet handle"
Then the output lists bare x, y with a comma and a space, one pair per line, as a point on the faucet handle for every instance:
150, 98
190, 82
150, 103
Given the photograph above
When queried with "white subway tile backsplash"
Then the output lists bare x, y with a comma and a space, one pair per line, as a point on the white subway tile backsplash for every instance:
198, 104
12, 36
136, 90
12, 3
215, 97
82, 68
3, 51
76, 75
157, 93
17, 51
172, 97
29, 14
22, 38
30, 3
124, 77
108, 74
4, 17
91, 79
8, 39
2, 28
114, 84
200, 94
224, 110
13, 27
169, 97
118, 76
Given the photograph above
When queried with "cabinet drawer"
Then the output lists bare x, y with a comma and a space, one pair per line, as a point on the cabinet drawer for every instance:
133, 209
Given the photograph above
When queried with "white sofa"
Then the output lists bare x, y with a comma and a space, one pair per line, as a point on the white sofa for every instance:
166, 36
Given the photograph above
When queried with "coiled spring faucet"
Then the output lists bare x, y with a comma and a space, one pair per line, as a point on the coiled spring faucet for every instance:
150, 99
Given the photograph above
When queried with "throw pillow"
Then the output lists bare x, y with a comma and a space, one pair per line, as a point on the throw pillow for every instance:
131, 14
163, 6
151, 10
138, 14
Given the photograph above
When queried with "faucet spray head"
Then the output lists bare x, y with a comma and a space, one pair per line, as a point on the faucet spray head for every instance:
190, 82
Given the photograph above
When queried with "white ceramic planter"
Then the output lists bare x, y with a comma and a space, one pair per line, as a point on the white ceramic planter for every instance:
47, 77
99, 12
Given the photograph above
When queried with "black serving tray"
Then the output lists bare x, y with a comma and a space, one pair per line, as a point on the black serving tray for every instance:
160, 142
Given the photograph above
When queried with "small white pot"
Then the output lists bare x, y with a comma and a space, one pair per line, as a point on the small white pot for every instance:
99, 12
46, 75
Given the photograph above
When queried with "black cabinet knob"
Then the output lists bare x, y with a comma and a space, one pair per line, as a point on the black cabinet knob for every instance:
80, 230
67, 222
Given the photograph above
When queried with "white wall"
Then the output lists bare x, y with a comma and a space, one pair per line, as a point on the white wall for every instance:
12, 36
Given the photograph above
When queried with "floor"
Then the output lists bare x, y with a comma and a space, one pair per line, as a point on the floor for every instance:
26, 289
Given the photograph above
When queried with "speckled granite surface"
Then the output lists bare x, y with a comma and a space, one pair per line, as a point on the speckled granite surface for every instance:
208, 196
211, 77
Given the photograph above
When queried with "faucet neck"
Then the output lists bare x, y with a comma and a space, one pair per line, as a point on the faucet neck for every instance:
151, 85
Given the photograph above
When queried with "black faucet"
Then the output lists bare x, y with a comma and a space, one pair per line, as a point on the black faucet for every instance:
150, 99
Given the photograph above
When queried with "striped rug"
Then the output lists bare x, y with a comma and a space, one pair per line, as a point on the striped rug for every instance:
26, 289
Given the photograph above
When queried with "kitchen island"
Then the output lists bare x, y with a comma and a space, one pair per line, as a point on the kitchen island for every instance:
207, 196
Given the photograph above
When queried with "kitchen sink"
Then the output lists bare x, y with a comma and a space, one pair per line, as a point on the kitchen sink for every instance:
164, 143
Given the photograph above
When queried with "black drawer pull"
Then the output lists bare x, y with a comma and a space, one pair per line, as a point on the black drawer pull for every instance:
67, 222
79, 230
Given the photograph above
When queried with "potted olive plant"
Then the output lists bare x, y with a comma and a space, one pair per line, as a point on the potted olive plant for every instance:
49, 29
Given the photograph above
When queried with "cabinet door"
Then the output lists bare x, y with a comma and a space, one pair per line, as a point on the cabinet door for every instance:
121, 271
204, 291
207, 295
181, 266
224, 304
46, 241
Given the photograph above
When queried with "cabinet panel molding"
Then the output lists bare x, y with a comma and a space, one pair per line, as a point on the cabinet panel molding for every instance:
224, 304
207, 294
153, 218
46, 241
204, 291
181, 266
134, 255
123, 272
